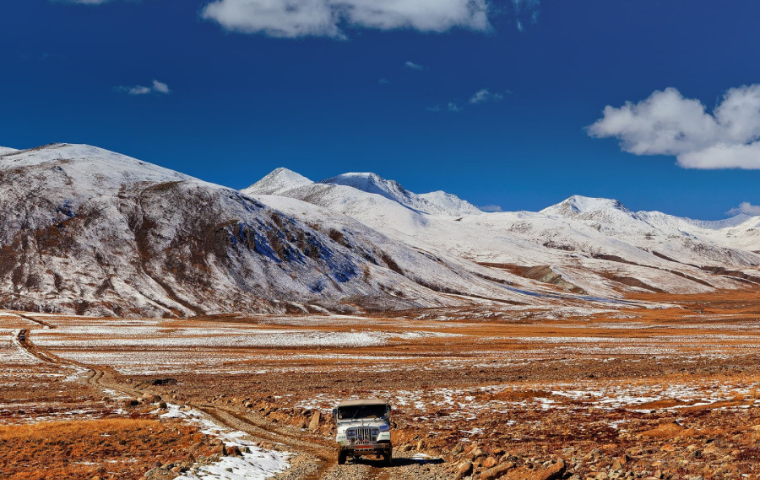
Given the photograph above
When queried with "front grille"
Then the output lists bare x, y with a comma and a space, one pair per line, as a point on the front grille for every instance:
365, 435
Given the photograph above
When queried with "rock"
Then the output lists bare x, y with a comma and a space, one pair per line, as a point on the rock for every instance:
476, 453
314, 423
420, 445
234, 451
464, 470
163, 405
405, 448
616, 465
457, 449
552, 472
497, 471
489, 462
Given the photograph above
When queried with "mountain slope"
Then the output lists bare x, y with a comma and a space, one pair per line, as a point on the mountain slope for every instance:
435, 203
595, 245
278, 181
94, 232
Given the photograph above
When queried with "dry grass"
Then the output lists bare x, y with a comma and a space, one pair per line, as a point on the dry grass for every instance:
110, 448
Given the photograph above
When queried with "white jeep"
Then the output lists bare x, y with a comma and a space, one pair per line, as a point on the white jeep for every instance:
364, 428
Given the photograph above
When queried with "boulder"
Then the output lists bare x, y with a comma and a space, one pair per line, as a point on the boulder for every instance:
464, 470
552, 472
234, 451
497, 471
314, 423
476, 453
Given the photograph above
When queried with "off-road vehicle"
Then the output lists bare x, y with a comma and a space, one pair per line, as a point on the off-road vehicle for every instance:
364, 428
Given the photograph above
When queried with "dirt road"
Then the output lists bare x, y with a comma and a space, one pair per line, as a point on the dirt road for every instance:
315, 457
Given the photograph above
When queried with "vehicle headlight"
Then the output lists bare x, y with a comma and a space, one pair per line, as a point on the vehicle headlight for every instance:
350, 433
384, 428
375, 431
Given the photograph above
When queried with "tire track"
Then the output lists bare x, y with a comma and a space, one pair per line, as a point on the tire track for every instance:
35, 320
104, 377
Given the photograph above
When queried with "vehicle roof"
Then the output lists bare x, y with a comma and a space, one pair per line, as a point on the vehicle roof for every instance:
359, 403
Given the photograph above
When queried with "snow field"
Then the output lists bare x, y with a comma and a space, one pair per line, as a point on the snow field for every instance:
254, 464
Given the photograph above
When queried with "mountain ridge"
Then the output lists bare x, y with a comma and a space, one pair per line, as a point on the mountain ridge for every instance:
281, 180
592, 240
89, 231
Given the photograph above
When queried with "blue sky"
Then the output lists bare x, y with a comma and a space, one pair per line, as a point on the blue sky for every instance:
241, 90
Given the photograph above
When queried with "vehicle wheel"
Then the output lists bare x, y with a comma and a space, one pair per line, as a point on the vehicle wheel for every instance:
342, 457
388, 458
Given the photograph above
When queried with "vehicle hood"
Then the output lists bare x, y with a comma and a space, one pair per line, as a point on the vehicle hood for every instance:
360, 423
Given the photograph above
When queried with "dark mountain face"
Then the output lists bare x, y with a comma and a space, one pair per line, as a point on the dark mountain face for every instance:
90, 232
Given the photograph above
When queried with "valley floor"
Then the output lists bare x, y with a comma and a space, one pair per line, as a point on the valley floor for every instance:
666, 392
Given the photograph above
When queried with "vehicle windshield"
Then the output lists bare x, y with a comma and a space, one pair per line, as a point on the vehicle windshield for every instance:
362, 411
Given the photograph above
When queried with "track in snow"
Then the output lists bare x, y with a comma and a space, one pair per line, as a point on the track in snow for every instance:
321, 451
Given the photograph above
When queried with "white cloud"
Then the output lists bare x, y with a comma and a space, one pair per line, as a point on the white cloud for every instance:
491, 208
667, 123
745, 208
328, 18
156, 87
526, 10
160, 87
449, 107
413, 66
483, 96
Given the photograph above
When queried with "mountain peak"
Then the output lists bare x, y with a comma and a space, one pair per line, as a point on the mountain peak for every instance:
370, 183
435, 203
7, 150
278, 181
579, 205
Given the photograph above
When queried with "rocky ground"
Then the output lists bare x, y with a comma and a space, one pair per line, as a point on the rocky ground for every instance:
666, 393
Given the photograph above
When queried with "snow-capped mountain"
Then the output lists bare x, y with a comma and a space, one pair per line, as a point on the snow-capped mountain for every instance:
595, 245
282, 180
279, 181
89, 231
4, 150
578, 206
435, 203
